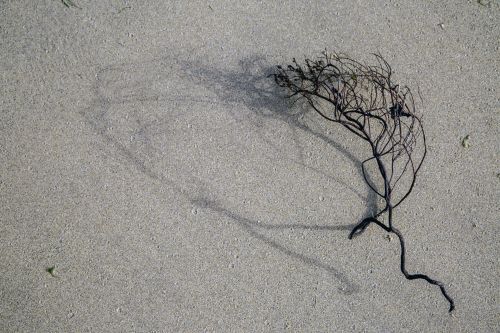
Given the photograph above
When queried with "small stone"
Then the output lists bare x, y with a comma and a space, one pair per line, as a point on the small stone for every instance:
321, 198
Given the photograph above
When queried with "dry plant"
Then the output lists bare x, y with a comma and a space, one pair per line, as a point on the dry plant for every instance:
366, 102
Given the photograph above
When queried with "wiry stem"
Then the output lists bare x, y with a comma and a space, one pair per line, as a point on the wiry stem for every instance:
364, 100
420, 276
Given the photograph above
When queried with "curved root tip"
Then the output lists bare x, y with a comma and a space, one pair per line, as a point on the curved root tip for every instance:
357, 230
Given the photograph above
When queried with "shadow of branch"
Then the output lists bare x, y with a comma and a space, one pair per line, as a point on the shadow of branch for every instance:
251, 87
251, 84
347, 287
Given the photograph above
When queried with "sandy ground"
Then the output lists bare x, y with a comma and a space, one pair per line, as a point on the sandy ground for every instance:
145, 156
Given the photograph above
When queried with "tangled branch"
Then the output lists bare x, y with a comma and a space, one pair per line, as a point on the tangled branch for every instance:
366, 102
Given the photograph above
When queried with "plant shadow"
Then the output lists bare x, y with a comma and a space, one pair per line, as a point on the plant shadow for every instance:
251, 86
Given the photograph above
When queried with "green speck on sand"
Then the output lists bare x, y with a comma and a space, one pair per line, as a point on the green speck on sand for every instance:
51, 270
69, 3
485, 3
465, 141
122, 9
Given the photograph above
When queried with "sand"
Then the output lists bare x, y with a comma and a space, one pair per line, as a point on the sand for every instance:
146, 159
